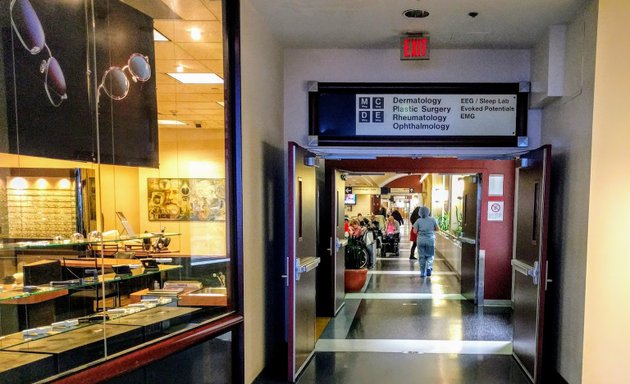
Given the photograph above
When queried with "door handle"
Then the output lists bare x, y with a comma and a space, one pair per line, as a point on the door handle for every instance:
308, 265
527, 270
286, 272
467, 240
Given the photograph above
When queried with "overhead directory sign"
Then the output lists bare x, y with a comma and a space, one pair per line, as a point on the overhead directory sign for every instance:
418, 114
464, 115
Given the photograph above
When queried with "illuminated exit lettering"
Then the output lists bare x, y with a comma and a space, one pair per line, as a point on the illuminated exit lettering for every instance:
414, 48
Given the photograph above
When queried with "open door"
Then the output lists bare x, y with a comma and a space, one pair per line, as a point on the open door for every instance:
471, 275
301, 260
337, 238
529, 261
330, 273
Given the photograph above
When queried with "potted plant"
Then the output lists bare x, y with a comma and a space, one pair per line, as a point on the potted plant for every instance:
356, 256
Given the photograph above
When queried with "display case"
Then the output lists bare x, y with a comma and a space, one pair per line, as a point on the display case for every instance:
116, 231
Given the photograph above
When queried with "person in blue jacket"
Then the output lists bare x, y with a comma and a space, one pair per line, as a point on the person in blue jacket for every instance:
426, 226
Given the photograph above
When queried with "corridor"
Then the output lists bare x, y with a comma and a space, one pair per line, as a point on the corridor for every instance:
406, 329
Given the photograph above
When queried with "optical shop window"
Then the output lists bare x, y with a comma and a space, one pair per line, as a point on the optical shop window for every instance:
113, 225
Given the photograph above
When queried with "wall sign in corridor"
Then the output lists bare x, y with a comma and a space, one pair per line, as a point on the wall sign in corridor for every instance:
416, 114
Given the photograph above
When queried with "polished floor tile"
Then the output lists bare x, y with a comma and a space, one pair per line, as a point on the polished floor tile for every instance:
482, 347
403, 328
430, 320
403, 368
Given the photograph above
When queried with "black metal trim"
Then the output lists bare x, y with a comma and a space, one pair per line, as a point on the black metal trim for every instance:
419, 141
234, 154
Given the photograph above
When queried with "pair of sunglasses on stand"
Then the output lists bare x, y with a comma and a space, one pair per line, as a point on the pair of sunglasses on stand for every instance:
30, 32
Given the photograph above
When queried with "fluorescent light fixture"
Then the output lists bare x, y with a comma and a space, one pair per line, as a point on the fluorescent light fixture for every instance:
197, 78
195, 34
157, 36
171, 122
221, 103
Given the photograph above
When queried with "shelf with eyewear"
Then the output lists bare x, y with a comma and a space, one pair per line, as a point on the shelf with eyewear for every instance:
34, 294
143, 313
60, 242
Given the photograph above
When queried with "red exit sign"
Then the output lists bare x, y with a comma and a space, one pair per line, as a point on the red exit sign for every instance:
414, 48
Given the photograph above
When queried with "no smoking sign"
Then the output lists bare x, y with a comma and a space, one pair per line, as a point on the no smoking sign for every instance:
495, 211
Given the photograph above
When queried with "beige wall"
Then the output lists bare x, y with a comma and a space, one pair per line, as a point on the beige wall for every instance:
607, 308
184, 153
187, 153
566, 125
363, 206
263, 170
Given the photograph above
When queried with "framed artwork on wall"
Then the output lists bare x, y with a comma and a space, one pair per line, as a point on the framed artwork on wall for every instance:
178, 199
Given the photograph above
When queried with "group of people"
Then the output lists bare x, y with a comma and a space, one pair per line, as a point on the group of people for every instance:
422, 233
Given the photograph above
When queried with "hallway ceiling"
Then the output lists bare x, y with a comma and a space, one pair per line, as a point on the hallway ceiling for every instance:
353, 24
377, 24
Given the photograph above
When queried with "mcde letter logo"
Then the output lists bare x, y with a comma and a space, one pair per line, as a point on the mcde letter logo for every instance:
371, 109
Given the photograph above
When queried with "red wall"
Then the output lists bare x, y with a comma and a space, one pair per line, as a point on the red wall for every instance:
411, 181
495, 237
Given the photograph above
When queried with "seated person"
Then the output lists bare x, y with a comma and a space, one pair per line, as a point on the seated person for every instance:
391, 233
391, 226
362, 220
355, 230
374, 223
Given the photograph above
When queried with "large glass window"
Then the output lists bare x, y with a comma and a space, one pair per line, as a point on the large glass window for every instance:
114, 179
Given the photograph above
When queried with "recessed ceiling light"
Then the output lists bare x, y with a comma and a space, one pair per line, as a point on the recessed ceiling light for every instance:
157, 36
195, 34
197, 78
179, 68
171, 122
415, 13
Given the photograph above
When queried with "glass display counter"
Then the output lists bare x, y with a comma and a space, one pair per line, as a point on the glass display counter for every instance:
62, 309
79, 172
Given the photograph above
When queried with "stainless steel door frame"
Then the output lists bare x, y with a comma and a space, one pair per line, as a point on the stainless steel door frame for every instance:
471, 267
338, 242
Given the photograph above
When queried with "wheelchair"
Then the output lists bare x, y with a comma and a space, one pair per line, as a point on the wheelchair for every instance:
357, 254
390, 244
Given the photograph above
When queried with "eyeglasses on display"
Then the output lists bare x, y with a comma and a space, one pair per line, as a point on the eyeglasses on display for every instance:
115, 83
30, 32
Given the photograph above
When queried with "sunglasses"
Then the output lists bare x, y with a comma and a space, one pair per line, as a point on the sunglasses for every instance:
115, 83
30, 32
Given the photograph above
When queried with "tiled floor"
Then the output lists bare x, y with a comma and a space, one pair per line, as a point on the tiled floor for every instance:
406, 329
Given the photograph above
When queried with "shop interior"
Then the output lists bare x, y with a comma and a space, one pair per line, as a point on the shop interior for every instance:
113, 187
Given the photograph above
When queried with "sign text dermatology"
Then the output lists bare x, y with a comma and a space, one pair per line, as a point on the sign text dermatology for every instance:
461, 115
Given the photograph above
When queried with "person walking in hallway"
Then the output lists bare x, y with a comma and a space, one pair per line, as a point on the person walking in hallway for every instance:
398, 217
413, 236
426, 226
